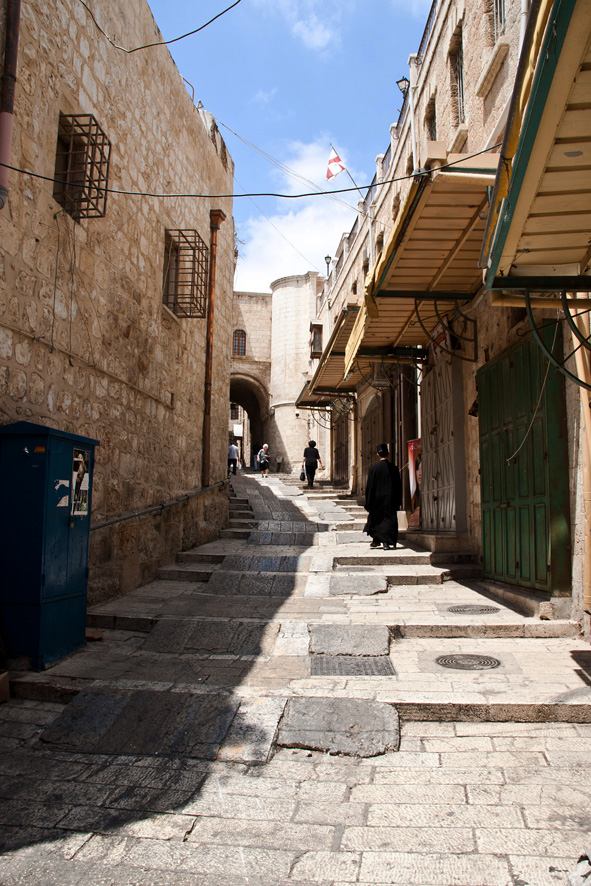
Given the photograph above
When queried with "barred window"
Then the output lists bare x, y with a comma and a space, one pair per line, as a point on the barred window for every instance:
81, 166
234, 412
499, 18
239, 343
456, 57
184, 286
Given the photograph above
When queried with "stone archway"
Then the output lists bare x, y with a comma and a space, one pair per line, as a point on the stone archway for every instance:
252, 396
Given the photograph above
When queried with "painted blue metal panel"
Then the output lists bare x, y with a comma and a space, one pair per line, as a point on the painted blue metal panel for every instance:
46, 479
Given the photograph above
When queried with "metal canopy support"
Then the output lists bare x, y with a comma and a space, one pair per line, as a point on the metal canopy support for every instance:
560, 364
544, 284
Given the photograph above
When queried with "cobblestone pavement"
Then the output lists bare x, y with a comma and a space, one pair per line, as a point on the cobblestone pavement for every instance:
157, 755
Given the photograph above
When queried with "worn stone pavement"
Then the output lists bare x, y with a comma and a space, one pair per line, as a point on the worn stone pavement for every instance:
190, 745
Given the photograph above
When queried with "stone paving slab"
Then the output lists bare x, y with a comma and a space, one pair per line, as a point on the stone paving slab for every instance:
340, 726
349, 640
143, 722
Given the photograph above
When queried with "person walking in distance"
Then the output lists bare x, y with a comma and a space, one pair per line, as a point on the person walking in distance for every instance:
383, 497
263, 460
311, 460
233, 453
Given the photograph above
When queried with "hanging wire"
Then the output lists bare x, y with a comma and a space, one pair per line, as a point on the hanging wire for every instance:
160, 195
160, 42
57, 255
531, 424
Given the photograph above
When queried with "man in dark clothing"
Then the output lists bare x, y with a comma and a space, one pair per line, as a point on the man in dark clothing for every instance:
383, 497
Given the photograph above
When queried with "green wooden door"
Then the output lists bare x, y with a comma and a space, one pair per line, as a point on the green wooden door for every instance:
524, 469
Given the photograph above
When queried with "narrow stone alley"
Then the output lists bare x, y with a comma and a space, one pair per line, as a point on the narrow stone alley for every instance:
285, 705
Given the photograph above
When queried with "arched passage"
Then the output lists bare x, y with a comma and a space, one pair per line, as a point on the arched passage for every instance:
252, 396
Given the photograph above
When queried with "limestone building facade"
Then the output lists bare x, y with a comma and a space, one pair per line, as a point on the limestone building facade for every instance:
279, 337
116, 306
430, 354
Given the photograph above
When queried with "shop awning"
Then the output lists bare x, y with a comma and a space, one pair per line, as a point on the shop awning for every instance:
539, 233
328, 380
430, 261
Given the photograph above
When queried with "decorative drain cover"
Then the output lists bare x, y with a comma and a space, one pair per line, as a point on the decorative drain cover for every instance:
472, 609
351, 666
467, 662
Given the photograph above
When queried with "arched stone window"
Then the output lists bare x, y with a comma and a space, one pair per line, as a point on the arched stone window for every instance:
239, 343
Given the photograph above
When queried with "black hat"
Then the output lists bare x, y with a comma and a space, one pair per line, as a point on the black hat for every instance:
382, 449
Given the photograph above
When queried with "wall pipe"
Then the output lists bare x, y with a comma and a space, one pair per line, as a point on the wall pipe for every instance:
584, 372
158, 509
7, 90
216, 217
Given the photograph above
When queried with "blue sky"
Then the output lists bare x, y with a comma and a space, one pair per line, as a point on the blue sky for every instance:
292, 76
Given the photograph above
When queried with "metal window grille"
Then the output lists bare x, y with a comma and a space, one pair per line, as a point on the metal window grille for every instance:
239, 343
459, 72
81, 166
431, 121
234, 411
185, 274
499, 18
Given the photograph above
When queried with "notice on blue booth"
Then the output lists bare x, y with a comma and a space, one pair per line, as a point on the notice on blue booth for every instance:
80, 482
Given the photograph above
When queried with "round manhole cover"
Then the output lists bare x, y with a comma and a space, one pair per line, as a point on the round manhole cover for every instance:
473, 609
467, 662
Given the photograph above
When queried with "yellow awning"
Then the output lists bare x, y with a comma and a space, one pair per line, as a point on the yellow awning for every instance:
430, 260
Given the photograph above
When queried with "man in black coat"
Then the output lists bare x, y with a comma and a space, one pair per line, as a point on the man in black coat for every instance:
383, 497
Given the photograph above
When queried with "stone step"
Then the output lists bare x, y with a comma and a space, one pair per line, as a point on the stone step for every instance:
430, 575
557, 628
194, 556
242, 524
405, 558
187, 572
235, 533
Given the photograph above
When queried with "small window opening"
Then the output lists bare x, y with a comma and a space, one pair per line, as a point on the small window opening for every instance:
315, 340
239, 343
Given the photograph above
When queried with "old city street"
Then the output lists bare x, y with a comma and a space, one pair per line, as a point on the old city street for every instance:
285, 706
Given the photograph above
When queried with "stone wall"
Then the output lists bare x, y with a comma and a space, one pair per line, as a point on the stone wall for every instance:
86, 344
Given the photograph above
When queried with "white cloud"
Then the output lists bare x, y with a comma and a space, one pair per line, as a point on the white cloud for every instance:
300, 232
314, 22
313, 33
264, 97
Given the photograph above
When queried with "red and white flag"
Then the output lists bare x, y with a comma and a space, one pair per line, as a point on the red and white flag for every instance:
335, 165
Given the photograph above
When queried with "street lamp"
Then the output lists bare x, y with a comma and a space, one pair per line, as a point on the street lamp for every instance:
327, 259
403, 85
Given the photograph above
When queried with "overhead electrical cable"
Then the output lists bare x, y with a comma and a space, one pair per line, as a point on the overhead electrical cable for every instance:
281, 234
387, 181
287, 170
159, 42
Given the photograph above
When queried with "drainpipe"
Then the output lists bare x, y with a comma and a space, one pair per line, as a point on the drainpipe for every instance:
413, 66
216, 217
354, 484
523, 21
8, 82
584, 372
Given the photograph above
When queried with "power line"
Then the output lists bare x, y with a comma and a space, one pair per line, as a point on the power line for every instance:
281, 234
232, 196
160, 42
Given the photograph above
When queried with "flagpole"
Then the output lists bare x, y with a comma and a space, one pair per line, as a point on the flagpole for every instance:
369, 218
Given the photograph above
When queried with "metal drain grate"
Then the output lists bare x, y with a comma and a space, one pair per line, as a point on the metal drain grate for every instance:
467, 662
472, 609
351, 666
